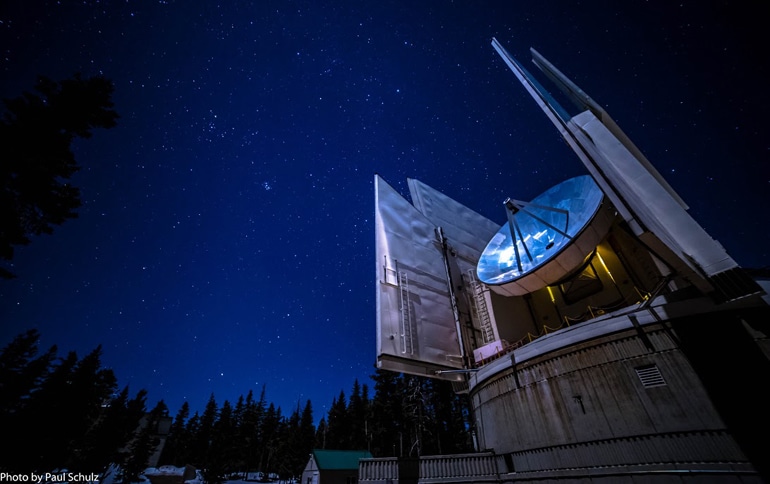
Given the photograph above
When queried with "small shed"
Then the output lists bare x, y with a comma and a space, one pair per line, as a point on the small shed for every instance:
333, 466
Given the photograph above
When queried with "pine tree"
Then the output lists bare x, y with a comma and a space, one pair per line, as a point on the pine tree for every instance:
221, 458
90, 387
250, 430
320, 434
48, 408
176, 450
113, 431
104, 440
239, 439
36, 133
357, 412
367, 417
451, 428
19, 378
194, 453
143, 445
224, 427
271, 427
289, 452
387, 412
415, 415
74, 397
21, 372
306, 433
205, 435
338, 433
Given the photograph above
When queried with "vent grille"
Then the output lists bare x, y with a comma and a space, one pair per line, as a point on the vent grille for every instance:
460, 387
650, 376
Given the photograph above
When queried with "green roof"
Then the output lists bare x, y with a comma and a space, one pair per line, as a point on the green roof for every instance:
339, 459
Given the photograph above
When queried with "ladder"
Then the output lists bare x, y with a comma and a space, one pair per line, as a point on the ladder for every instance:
479, 308
407, 336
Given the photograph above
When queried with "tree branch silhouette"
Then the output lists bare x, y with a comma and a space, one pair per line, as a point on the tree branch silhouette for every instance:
36, 133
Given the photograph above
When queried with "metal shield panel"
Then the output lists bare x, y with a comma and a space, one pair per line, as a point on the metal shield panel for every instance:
467, 231
647, 199
416, 329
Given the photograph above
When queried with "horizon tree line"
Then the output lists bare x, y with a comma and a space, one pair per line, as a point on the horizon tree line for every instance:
67, 413
407, 416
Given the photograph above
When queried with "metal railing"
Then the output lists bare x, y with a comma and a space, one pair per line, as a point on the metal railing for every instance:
458, 468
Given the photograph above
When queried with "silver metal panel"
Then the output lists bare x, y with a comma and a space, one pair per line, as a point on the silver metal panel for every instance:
416, 330
579, 97
467, 231
649, 201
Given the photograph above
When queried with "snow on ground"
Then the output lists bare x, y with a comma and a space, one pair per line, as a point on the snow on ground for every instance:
112, 475
249, 478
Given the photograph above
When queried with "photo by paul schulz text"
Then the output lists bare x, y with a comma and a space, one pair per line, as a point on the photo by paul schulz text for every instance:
49, 477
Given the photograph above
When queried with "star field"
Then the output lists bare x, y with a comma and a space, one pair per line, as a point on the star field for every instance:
226, 236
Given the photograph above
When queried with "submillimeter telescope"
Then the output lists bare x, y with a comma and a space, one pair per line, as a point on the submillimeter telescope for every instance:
587, 320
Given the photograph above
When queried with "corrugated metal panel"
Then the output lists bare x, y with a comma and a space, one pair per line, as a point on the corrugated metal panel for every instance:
467, 231
416, 330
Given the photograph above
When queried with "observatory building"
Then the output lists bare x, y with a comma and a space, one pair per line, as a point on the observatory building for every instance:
601, 334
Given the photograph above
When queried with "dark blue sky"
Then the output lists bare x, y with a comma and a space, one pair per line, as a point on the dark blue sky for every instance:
226, 237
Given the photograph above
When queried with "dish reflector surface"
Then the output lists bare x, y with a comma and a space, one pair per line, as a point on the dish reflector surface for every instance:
546, 226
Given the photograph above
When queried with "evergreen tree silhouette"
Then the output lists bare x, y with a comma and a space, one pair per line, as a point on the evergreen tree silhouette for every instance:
61, 412
195, 453
90, 386
221, 458
271, 427
306, 437
176, 450
239, 438
21, 372
205, 434
115, 428
450, 423
251, 430
36, 132
143, 445
357, 413
47, 408
388, 426
320, 434
289, 449
338, 433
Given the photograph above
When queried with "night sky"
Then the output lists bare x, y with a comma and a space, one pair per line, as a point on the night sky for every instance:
225, 242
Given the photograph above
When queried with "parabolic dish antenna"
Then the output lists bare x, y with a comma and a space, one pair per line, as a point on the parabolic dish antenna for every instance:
545, 239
